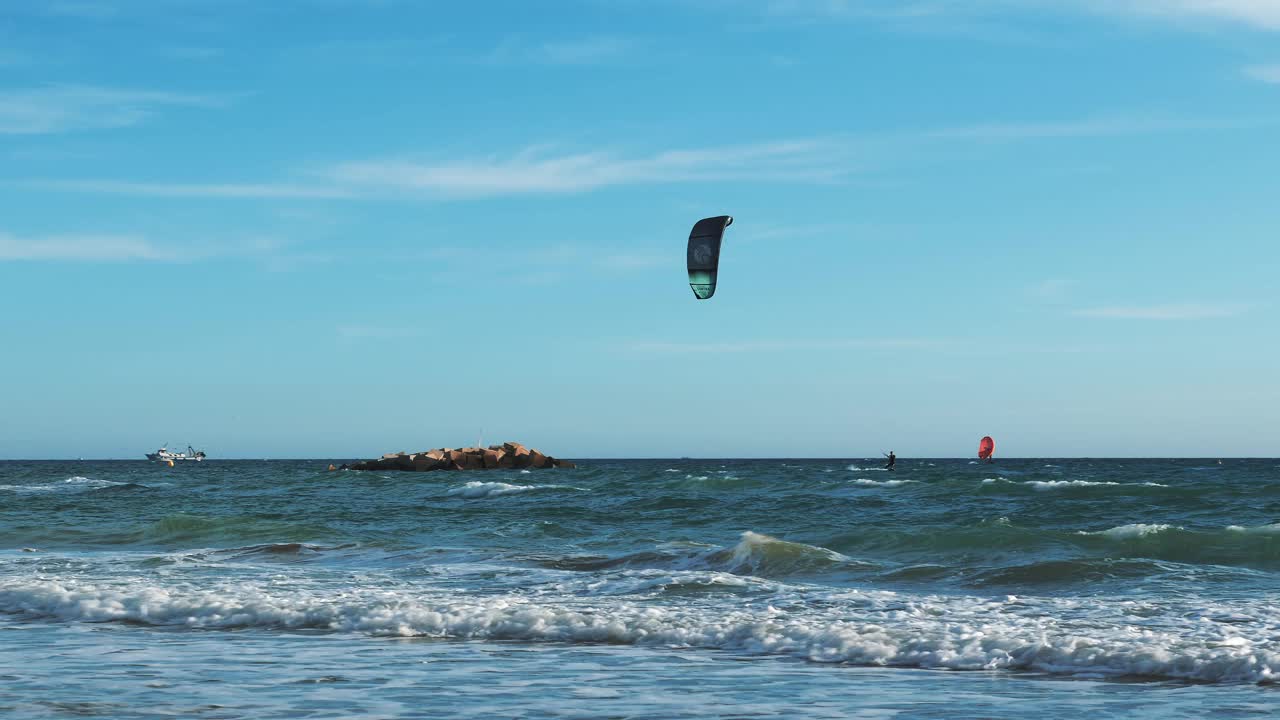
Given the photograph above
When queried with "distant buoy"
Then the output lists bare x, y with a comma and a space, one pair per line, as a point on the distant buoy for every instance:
332, 468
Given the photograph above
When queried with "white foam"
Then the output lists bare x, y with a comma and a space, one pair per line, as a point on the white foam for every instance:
1131, 531
1272, 529
480, 489
1058, 484
882, 483
855, 468
650, 580
1087, 636
75, 483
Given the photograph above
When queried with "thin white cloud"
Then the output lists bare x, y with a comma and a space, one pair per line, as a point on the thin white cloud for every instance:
192, 52
200, 190
1265, 73
539, 169
82, 248
531, 171
588, 50
83, 10
636, 261
272, 252
62, 108
1051, 289
1175, 311
535, 171
1108, 126
377, 332
1261, 14
557, 257
584, 51
780, 345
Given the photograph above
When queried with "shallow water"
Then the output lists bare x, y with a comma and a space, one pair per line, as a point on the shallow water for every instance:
767, 588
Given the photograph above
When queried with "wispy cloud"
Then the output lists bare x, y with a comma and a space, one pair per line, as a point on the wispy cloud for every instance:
192, 52
83, 248
1265, 73
1262, 14
533, 170
377, 332
1105, 126
272, 252
542, 169
62, 108
635, 261
1051, 289
546, 263
584, 51
1175, 311
783, 345
588, 50
83, 10
536, 171
200, 190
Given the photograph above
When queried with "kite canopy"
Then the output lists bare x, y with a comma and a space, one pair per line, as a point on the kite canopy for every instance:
704, 254
985, 447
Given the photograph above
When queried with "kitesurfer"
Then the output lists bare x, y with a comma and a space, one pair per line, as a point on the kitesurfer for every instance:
892, 460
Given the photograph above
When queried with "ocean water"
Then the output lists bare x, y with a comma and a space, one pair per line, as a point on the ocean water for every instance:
642, 589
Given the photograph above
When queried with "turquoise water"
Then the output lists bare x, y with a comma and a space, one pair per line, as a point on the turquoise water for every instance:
642, 589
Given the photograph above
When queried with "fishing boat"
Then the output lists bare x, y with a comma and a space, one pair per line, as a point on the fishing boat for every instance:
163, 455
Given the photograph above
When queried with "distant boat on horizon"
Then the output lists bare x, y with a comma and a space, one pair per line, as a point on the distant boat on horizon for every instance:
163, 455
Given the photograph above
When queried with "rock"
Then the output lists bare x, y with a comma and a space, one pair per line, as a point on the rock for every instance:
425, 462
520, 457
505, 456
492, 458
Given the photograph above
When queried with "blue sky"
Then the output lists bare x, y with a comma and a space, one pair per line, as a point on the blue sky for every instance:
336, 228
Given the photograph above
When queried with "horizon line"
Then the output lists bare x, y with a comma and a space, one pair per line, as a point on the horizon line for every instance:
706, 458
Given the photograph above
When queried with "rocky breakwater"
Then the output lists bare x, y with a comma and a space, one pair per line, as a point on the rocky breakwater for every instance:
495, 457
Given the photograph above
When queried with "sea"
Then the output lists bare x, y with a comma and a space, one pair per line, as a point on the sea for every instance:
691, 588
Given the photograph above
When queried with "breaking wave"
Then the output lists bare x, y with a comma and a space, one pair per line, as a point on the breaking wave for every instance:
73, 484
875, 628
881, 483
481, 489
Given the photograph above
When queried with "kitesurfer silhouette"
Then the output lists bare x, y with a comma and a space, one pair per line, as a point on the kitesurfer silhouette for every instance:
892, 459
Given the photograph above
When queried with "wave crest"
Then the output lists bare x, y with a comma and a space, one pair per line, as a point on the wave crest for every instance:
863, 628
482, 489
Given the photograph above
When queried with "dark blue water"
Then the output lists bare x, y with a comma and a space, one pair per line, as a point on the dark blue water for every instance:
764, 588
